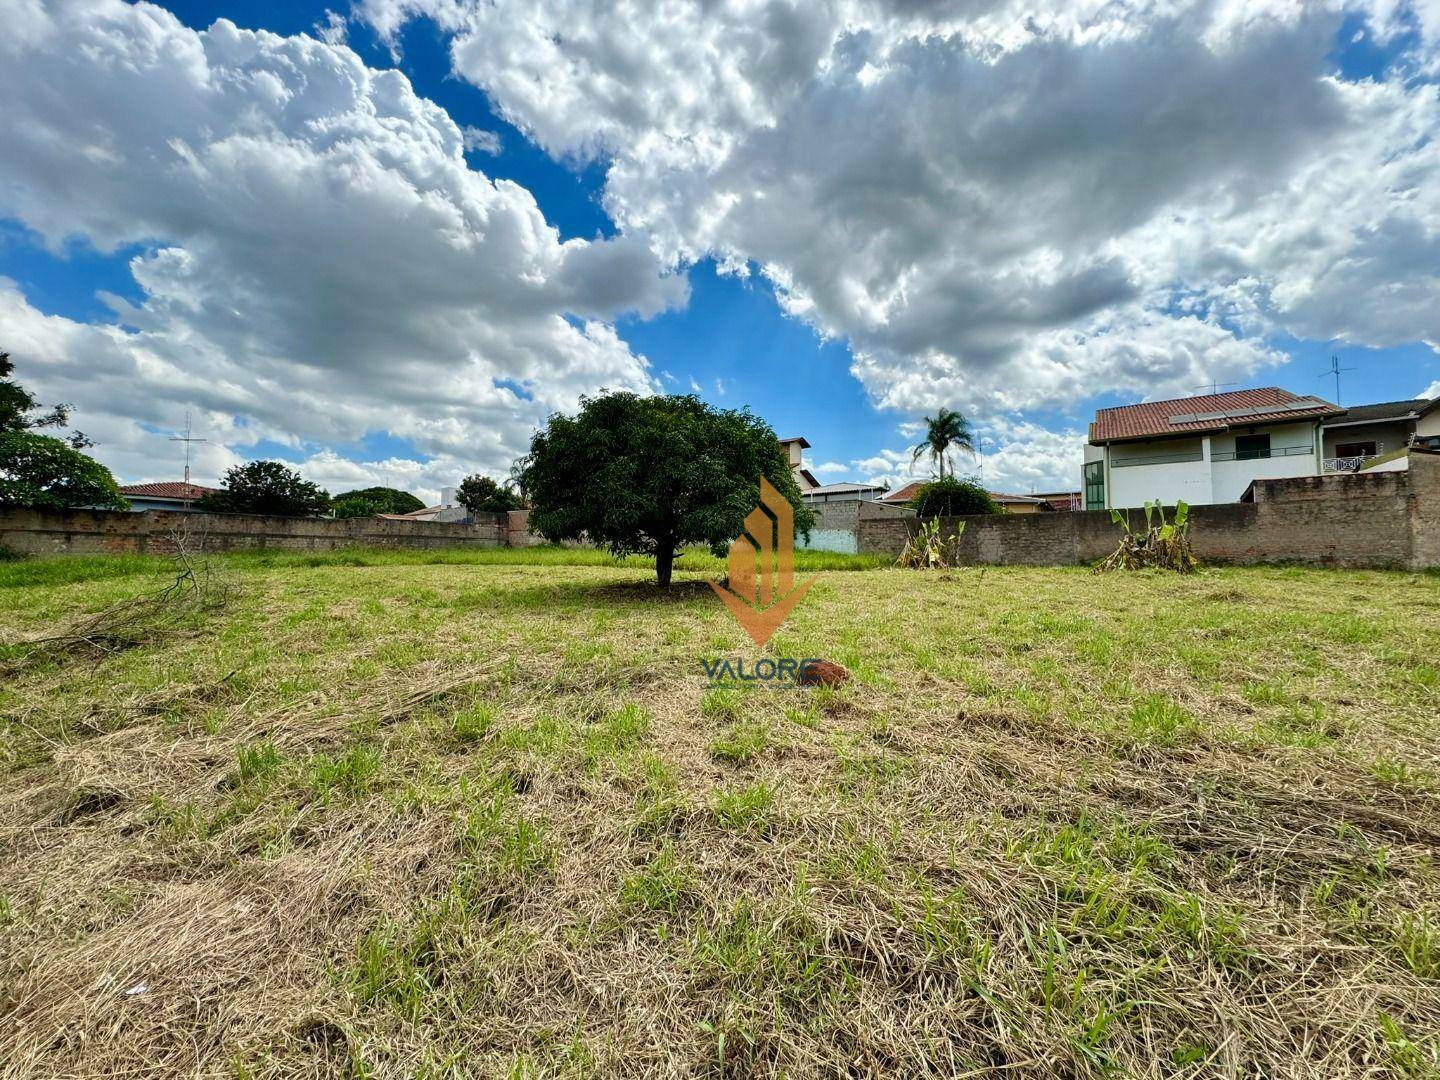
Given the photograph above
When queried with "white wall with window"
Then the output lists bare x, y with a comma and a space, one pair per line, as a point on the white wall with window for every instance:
1261, 453
1163, 469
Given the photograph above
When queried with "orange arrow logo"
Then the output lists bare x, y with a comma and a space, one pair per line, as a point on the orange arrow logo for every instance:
762, 590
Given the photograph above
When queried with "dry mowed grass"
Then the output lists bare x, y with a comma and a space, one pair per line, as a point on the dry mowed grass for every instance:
451, 820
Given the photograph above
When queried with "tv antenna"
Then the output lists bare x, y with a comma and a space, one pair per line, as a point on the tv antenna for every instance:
187, 439
1335, 369
1213, 387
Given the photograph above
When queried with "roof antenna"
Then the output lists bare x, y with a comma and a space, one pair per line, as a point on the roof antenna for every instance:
1214, 387
187, 439
1336, 369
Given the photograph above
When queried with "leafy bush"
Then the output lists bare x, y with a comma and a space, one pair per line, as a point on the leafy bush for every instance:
367, 502
267, 487
949, 497
1163, 544
45, 472
928, 550
480, 494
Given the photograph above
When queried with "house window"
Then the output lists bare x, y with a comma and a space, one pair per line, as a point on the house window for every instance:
1355, 449
1251, 447
1095, 485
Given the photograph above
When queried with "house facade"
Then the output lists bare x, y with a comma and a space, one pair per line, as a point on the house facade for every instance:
827, 493
794, 450
1209, 449
169, 495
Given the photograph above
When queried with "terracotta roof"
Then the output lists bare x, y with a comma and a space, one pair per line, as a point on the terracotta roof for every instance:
1206, 413
904, 494
804, 442
169, 489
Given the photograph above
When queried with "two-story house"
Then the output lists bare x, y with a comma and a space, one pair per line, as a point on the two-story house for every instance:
1209, 449
794, 450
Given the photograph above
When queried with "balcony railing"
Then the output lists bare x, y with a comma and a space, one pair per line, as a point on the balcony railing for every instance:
1342, 464
1260, 455
1159, 459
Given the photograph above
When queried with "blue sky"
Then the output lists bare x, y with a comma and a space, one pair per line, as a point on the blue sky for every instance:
731, 340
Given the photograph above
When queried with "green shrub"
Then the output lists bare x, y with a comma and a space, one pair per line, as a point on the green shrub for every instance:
951, 497
49, 473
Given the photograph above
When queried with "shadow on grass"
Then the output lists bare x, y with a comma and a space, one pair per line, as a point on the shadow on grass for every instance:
609, 595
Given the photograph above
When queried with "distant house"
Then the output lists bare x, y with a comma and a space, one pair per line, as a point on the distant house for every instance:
1015, 504
168, 495
794, 448
1209, 449
901, 496
826, 493
448, 509
1368, 431
1062, 500
1021, 504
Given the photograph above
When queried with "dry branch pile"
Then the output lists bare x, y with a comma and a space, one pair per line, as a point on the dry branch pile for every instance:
1163, 545
197, 593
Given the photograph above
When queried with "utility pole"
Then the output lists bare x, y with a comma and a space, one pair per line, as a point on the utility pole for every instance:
1336, 369
187, 439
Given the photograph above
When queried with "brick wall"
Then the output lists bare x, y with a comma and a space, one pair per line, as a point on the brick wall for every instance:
1358, 520
1381, 520
90, 532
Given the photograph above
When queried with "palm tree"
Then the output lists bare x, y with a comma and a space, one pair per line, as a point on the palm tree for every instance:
945, 431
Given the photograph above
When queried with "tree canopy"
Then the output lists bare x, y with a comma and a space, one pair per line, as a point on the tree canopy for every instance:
367, 502
649, 475
945, 431
267, 487
951, 497
49, 473
17, 403
480, 493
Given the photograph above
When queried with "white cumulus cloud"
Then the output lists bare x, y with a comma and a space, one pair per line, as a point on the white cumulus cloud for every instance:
318, 262
1002, 205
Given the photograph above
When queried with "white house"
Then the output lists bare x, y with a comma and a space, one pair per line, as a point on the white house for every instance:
825, 493
1208, 449
168, 495
794, 450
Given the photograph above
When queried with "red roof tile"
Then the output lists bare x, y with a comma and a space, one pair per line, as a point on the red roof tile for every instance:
1150, 419
170, 489
904, 494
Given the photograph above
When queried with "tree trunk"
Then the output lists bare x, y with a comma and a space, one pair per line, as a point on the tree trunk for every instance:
664, 563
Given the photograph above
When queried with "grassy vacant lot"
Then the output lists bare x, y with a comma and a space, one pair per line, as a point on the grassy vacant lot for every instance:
480, 814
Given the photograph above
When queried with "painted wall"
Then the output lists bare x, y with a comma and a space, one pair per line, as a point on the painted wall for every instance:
1379, 520
841, 526
1229, 479
1386, 437
1135, 485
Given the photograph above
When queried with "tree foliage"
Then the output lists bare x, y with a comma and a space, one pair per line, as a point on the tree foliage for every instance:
945, 431
649, 475
367, 502
45, 472
479, 494
17, 403
267, 487
950, 497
